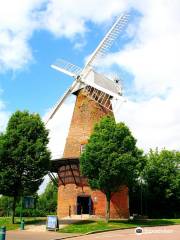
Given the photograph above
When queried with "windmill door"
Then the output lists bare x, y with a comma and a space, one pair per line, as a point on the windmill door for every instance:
84, 205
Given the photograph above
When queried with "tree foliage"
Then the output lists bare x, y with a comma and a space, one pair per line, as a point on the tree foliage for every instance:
5, 203
45, 204
47, 201
162, 175
111, 158
24, 158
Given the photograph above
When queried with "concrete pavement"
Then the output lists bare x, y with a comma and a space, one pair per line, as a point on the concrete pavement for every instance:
34, 235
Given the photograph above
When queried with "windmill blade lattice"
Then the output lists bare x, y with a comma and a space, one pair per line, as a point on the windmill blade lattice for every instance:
67, 67
108, 40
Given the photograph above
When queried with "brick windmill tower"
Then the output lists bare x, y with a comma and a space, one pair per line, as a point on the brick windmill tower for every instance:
94, 94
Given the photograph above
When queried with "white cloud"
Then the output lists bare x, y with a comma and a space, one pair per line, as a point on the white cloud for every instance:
4, 116
69, 17
18, 20
14, 51
154, 122
58, 128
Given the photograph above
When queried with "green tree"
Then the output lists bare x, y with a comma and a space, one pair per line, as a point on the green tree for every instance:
47, 201
162, 175
24, 158
111, 158
5, 206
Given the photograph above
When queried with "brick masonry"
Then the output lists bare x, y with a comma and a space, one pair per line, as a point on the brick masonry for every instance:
67, 196
86, 113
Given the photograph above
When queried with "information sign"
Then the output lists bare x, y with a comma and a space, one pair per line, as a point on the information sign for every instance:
52, 223
29, 202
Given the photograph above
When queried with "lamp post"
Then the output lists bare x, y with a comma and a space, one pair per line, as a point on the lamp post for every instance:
21, 218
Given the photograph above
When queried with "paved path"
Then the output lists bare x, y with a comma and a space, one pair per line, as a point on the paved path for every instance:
36, 235
150, 233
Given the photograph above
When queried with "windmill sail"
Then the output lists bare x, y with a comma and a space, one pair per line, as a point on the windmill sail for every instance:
108, 40
61, 100
67, 68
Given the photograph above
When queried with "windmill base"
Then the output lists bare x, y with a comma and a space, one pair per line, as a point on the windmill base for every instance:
74, 200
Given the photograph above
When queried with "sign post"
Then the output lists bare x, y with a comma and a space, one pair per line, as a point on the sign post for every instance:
2, 233
26, 202
21, 219
29, 202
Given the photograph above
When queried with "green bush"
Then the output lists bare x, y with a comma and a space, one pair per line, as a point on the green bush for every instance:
30, 212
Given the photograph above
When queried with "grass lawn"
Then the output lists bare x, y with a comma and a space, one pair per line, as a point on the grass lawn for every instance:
90, 226
6, 221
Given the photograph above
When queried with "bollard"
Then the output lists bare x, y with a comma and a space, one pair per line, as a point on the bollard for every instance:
2, 233
22, 225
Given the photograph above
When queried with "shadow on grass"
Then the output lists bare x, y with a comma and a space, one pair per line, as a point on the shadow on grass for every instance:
31, 221
148, 222
74, 221
85, 222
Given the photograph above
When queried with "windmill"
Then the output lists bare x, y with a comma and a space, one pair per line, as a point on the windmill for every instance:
94, 92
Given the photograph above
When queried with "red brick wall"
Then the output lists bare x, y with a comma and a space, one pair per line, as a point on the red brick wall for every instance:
86, 113
120, 203
67, 196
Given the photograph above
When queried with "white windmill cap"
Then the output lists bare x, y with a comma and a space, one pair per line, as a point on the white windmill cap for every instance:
106, 83
100, 82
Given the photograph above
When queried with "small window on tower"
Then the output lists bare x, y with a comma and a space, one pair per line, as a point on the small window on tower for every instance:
82, 148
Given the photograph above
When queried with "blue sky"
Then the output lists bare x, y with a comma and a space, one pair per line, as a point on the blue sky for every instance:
37, 86
34, 33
